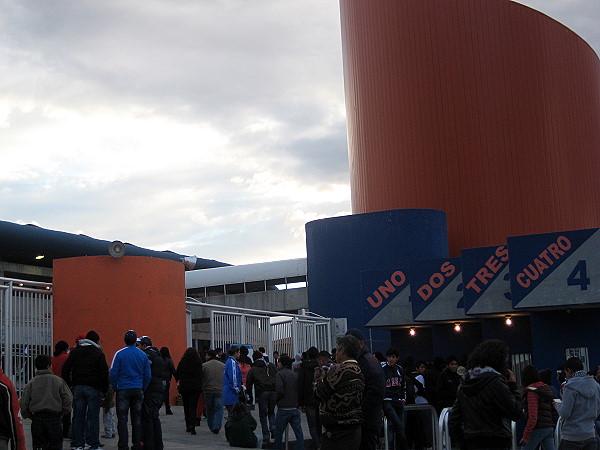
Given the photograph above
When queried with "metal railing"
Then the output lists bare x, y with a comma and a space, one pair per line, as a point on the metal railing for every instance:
288, 333
25, 327
444, 431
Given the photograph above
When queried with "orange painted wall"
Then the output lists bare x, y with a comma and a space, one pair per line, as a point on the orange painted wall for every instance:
488, 110
111, 296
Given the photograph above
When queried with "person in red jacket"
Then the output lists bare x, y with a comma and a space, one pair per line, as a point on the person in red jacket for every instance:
12, 435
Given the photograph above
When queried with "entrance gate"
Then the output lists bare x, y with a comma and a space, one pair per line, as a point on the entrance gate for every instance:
25, 327
275, 331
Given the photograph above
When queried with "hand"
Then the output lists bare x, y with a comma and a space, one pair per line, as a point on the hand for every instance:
523, 441
319, 373
511, 376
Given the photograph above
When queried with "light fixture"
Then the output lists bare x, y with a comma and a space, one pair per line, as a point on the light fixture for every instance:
508, 321
39, 257
457, 327
412, 332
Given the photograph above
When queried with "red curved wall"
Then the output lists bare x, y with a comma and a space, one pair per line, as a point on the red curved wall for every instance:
110, 296
489, 111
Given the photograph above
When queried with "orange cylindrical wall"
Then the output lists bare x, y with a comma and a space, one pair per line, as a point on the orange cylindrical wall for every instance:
110, 296
489, 111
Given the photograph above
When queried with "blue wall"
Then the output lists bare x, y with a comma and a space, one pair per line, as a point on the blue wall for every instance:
340, 248
554, 331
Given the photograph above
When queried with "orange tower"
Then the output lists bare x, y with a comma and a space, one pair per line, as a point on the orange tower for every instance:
489, 111
110, 296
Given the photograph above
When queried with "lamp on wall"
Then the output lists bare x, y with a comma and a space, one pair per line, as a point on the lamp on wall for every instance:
508, 321
412, 332
457, 327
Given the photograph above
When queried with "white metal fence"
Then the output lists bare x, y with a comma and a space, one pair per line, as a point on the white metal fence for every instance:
275, 331
25, 327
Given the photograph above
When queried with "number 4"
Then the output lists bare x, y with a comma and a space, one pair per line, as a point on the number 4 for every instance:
583, 280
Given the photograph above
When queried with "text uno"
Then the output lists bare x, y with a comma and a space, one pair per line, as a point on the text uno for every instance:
388, 287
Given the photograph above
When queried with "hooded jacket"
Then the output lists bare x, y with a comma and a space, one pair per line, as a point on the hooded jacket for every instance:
157, 369
262, 377
485, 405
580, 407
538, 407
232, 382
86, 365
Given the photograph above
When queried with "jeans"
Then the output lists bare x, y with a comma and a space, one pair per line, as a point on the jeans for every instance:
46, 431
394, 411
291, 416
266, 412
151, 427
314, 424
214, 411
109, 423
86, 415
543, 436
166, 394
129, 401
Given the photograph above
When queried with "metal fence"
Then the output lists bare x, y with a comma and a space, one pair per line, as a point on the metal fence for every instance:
275, 331
25, 327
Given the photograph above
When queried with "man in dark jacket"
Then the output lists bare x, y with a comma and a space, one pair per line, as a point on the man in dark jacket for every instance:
372, 402
151, 427
86, 371
487, 400
306, 397
262, 377
286, 385
12, 435
394, 400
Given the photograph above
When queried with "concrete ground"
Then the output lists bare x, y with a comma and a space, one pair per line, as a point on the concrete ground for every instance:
175, 436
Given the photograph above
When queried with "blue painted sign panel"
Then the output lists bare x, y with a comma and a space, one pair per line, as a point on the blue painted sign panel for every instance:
436, 290
385, 297
555, 269
486, 284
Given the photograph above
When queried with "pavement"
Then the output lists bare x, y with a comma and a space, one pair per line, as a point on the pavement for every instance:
175, 436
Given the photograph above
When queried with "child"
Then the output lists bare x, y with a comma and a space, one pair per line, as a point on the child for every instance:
108, 415
240, 426
45, 400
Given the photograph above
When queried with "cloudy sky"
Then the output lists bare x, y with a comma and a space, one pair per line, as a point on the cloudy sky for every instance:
213, 128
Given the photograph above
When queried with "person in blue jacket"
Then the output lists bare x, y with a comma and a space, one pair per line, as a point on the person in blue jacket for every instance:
130, 375
232, 379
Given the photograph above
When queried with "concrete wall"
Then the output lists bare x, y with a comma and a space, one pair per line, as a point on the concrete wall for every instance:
288, 300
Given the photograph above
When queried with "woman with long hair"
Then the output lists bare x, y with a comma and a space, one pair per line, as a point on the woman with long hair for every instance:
537, 401
167, 375
487, 400
189, 375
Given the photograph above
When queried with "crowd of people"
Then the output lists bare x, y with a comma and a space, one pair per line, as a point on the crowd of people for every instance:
343, 396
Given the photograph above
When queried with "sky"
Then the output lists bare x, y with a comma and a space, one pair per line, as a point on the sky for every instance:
213, 128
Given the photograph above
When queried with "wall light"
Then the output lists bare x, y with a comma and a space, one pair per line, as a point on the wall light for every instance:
457, 327
412, 332
508, 321
39, 257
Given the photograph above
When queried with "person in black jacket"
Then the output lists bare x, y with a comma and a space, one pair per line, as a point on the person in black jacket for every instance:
372, 401
189, 375
262, 377
447, 384
306, 397
86, 371
153, 395
487, 400
167, 375
394, 400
